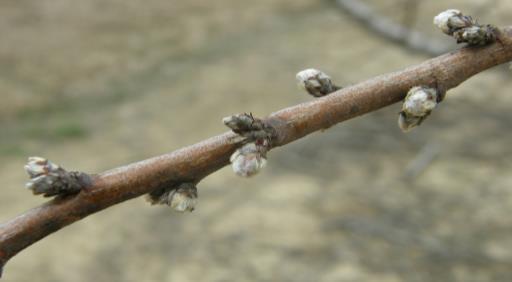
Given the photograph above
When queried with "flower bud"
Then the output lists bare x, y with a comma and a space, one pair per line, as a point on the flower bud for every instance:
418, 104
464, 29
476, 35
447, 19
315, 82
249, 127
50, 179
249, 159
240, 122
184, 198
181, 198
420, 101
37, 166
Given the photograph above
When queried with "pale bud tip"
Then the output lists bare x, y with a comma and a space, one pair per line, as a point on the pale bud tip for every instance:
442, 20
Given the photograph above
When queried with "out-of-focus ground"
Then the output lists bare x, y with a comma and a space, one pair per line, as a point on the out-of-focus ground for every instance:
97, 84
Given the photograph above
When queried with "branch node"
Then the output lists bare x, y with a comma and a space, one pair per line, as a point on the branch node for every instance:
417, 106
464, 29
49, 179
315, 82
181, 198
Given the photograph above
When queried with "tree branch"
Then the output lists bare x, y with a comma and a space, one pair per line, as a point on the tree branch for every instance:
193, 163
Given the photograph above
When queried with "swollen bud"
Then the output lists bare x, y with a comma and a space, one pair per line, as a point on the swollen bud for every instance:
249, 159
476, 35
316, 82
418, 104
184, 198
50, 179
450, 20
464, 29
240, 123
180, 198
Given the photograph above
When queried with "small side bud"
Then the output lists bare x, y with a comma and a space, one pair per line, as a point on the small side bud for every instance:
316, 82
418, 104
181, 199
50, 179
476, 35
249, 159
241, 122
249, 127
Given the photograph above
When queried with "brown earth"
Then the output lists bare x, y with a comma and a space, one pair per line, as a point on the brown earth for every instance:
97, 84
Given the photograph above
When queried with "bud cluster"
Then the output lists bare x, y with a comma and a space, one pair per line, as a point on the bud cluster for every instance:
249, 159
50, 179
464, 29
246, 125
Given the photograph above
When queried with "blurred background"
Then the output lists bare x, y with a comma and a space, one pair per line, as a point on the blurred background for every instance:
97, 84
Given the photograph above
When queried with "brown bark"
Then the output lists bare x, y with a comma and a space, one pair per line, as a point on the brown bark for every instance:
192, 163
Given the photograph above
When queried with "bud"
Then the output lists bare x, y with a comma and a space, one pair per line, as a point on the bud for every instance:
37, 166
50, 179
418, 104
241, 122
249, 127
450, 20
420, 101
184, 198
464, 29
476, 35
316, 82
181, 198
249, 159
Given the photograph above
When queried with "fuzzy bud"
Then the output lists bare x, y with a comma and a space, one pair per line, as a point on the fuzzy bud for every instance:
249, 127
316, 82
37, 166
182, 198
249, 159
241, 122
464, 29
450, 20
50, 179
476, 35
418, 104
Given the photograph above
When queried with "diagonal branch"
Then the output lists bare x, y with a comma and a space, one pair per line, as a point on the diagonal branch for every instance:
193, 163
